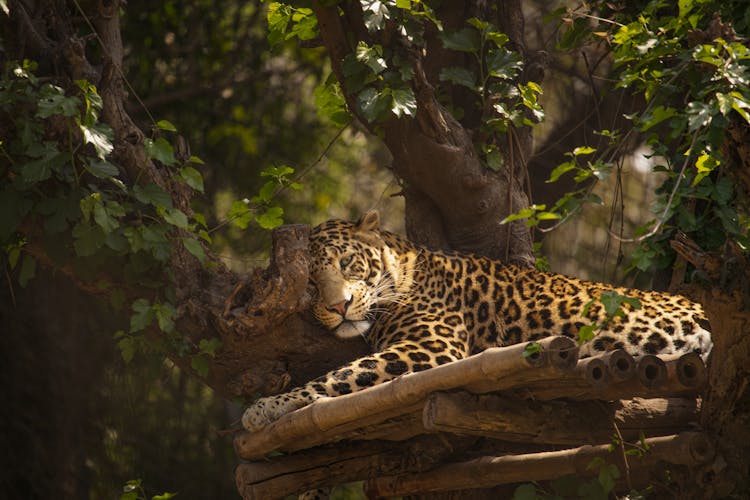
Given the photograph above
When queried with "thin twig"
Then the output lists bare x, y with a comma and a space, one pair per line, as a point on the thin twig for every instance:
663, 218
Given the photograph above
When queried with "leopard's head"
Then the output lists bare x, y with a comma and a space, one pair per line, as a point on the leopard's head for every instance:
354, 272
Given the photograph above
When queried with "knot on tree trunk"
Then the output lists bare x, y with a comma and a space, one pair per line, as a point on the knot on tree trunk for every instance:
271, 295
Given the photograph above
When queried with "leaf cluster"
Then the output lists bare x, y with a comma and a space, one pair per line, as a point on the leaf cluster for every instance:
692, 70
62, 197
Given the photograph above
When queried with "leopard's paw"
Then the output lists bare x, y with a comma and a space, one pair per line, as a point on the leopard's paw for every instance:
255, 417
267, 410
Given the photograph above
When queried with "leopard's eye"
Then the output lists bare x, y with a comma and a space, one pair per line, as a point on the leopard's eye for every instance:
345, 260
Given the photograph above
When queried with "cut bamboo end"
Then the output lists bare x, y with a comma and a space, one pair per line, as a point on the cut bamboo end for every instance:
620, 365
652, 371
689, 369
594, 371
562, 353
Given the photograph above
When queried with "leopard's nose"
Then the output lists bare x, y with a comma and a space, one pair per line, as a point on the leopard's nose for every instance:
341, 307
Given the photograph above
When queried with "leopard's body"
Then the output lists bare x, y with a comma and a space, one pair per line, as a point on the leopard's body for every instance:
420, 308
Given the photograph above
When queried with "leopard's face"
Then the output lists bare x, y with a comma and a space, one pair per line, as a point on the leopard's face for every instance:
348, 273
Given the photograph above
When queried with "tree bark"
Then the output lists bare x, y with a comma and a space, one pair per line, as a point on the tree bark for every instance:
452, 199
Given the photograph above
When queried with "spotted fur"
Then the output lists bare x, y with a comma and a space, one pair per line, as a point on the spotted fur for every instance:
420, 308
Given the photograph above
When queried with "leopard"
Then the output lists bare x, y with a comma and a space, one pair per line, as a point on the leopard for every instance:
418, 308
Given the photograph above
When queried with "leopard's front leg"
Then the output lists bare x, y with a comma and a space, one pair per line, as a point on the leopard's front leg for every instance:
397, 359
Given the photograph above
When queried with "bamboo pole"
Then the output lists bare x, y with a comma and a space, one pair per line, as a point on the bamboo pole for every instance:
687, 448
506, 366
655, 377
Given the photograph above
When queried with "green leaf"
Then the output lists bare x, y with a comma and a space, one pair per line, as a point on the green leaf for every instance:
210, 346
524, 213
164, 496
559, 170
330, 103
88, 239
166, 125
160, 150
36, 170
372, 57
130, 495
99, 136
586, 333
499, 39
53, 101
155, 239
504, 64
525, 492
531, 349
104, 219
153, 194
279, 15
548, 216
279, 172
13, 254
656, 116
373, 103
566, 486
612, 302
271, 218
13, 208
459, 76
465, 40
723, 190
200, 364
28, 270
608, 475
176, 217
495, 160
143, 315
127, 347
404, 102
583, 150
165, 314
240, 214
101, 168
700, 114
305, 25
705, 164
194, 247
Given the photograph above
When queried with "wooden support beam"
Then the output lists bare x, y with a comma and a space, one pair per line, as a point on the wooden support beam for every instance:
328, 419
324, 466
555, 422
688, 448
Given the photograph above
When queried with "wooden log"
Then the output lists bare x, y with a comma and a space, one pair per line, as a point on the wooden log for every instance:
279, 476
555, 422
326, 419
688, 448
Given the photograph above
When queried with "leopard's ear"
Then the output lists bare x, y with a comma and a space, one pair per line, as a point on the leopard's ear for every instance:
369, 221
